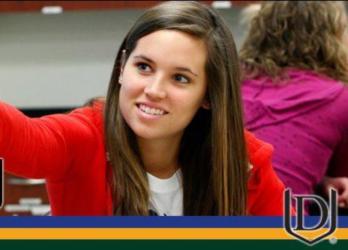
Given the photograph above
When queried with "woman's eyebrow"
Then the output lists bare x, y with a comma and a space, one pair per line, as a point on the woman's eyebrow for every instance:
177, 68
186, 70
144, 58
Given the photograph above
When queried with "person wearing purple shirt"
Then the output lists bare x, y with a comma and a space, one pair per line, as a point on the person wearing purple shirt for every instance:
295, 92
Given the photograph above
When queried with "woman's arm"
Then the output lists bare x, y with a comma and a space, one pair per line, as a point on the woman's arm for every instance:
43, 147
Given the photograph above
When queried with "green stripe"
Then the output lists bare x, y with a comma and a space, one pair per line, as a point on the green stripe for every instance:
167, 244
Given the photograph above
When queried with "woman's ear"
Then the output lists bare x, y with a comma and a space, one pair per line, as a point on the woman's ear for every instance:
205, 104
123, 62
120, 77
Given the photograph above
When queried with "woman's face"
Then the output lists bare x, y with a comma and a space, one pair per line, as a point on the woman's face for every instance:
163, 84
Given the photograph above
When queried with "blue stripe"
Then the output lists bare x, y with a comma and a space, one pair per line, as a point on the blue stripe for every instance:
152, 222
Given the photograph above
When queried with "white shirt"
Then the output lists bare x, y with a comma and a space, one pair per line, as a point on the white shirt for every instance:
166, 195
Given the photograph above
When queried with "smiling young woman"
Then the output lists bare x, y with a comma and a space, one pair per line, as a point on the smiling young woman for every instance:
168, 140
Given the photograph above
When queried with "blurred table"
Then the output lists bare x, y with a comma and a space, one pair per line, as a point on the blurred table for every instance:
24, 197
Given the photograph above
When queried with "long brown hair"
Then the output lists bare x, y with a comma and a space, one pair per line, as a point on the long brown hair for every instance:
212, 152
298, 34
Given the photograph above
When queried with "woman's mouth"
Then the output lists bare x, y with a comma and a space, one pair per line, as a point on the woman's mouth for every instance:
150, 110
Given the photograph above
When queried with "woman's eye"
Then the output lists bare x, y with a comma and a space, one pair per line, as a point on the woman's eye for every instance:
143, 67
181, 78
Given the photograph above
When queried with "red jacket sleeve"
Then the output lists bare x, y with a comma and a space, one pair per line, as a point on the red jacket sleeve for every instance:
44, 147
265, 189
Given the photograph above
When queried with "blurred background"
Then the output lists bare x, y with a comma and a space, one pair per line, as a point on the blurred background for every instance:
58, 54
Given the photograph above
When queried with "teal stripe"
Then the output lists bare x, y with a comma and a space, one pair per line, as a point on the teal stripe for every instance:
168, 244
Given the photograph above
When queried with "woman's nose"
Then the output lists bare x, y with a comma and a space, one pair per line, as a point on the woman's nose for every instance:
156, 89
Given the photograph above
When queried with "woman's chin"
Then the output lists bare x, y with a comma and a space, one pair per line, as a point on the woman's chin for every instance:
147, 134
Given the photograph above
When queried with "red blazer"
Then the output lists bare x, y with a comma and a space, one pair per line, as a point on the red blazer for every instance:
68, 151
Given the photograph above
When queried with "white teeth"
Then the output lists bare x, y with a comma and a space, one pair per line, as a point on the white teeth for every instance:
151, 111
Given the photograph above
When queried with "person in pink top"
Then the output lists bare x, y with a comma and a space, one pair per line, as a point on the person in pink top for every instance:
295, 94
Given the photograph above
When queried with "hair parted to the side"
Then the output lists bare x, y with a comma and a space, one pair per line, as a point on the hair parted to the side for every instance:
297, 34
212, 153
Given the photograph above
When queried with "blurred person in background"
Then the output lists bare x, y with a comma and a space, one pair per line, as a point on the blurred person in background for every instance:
295, 73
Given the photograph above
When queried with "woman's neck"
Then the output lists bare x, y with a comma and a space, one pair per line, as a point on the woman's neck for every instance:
160, 157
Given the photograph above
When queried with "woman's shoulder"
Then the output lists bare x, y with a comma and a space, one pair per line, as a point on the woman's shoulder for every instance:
292, 76
259, 152
261, 171
265, 189
93, 111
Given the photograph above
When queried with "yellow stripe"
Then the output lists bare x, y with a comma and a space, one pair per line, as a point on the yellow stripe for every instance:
152, 233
